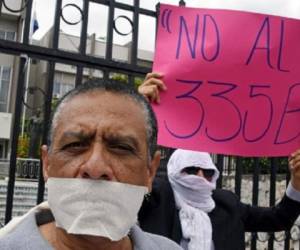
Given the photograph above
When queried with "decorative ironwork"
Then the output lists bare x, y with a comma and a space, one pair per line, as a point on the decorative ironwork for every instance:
295, 233
28, 168
23, 7
263, 237
74, 6
117, 30
279, 236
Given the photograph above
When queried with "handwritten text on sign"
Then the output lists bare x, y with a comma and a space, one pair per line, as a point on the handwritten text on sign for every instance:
233, 81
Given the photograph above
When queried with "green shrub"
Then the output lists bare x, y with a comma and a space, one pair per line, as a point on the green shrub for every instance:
23, 145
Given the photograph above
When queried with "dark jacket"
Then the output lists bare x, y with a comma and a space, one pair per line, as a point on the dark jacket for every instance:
230, 218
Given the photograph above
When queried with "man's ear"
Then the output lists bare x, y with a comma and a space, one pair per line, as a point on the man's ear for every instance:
45, 160
154, 164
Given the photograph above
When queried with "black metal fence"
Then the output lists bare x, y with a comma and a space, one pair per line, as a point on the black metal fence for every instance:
134, 68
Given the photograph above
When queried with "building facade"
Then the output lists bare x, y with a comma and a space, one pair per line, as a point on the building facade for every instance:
10, 29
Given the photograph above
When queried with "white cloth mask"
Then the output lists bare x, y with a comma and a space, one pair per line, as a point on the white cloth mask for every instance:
95, 207
193, 190
193, 197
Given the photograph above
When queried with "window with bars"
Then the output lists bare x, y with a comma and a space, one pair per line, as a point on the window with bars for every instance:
62, 85
8, 35
5, 73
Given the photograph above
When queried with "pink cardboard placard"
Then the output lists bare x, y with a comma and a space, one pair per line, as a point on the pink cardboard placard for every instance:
233, 81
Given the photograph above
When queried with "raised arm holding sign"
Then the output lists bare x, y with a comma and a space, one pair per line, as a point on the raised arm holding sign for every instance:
236, 74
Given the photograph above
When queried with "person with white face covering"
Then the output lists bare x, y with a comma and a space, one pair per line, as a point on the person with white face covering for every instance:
193, 177
187, 208
98, 166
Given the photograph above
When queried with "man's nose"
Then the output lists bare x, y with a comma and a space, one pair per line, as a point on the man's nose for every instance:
200, 173
97, 165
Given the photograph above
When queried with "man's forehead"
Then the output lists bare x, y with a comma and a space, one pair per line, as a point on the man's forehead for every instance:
99, 106
101, 96
93, 100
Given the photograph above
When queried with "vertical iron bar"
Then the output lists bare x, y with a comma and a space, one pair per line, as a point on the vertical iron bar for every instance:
79, 74
274, 167
287, 233
51, 72
288, 175
110, 29
47, 117
255, 196
157, 7
27, 23
83, 39
131, 80
287, 240
105, 74
238, 177
17, 118
56, 24
109, 40
135, 33
220, 166
84, 26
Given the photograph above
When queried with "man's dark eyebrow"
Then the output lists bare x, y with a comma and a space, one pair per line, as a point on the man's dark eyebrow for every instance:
79, 135
122, 138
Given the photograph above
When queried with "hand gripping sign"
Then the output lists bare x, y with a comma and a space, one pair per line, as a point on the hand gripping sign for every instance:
233, 81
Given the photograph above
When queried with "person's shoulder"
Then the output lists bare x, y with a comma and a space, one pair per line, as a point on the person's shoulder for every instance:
219, 193
23, 234
225, 198
148, 241
161, 242
15, 238
4, 242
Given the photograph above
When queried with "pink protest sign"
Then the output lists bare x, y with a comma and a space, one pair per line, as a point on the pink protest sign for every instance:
233, 81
